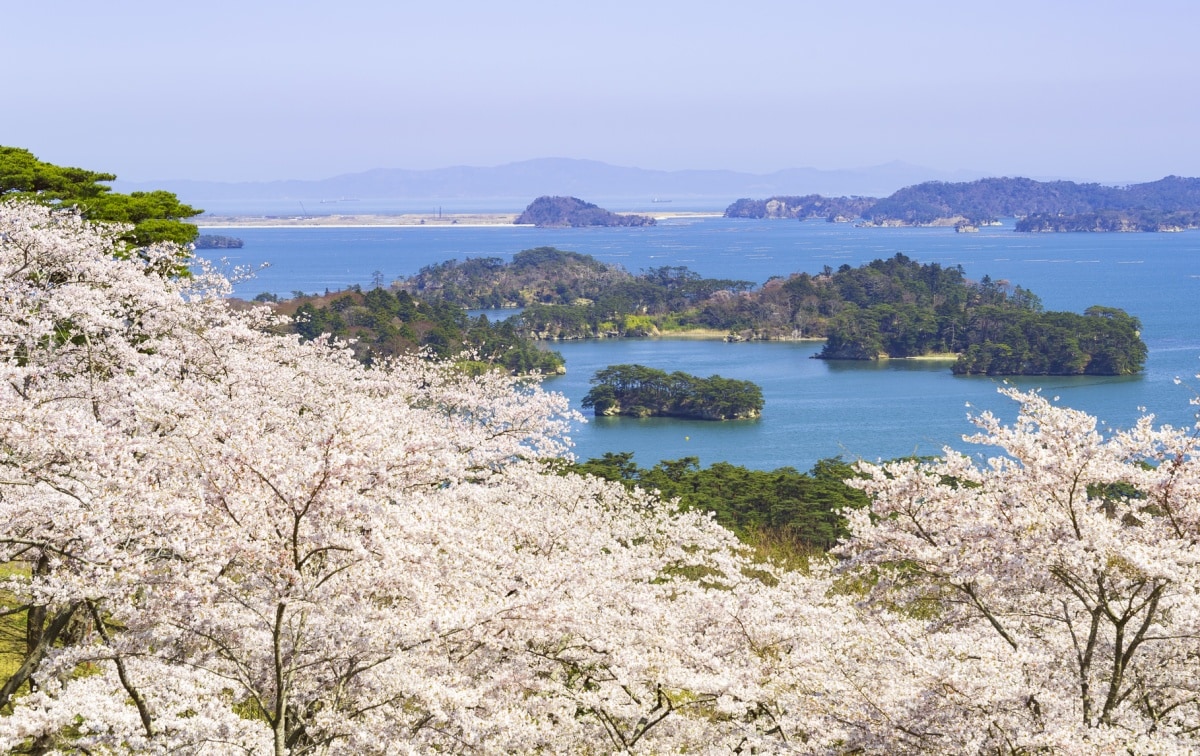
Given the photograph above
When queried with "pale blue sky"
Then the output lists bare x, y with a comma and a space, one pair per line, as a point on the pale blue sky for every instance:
245, 90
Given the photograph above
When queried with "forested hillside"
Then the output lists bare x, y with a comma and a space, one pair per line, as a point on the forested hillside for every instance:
901, 308
382, 323
1170, 204
887, 308
541, 275
570, 295
987, 199
833, 209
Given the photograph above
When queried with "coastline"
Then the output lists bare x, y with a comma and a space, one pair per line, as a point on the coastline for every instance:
692, 334
406, 220
716, 334
934, 357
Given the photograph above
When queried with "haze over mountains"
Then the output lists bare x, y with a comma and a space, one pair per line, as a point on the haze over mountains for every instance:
514, 184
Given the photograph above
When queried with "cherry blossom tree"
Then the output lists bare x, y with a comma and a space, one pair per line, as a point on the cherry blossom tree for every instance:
228, 540
224, 540
1057, 585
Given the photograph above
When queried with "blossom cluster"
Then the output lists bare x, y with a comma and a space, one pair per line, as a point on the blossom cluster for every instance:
226, 540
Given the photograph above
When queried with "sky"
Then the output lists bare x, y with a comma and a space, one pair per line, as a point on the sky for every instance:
290, 89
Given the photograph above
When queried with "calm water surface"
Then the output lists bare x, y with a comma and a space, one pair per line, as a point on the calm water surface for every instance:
814, 408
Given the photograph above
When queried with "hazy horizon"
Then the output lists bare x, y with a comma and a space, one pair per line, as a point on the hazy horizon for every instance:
275, 90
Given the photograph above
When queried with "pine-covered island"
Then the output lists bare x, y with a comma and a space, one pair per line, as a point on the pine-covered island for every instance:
640, 391
888, 308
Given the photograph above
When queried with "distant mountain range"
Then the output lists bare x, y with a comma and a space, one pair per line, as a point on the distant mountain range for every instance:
511, 186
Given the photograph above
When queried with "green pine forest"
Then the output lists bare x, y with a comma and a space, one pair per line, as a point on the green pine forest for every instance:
888, 308
383, 323
641, 391
784, 512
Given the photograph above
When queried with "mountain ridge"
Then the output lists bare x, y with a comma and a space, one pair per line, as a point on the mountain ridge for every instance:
558, 176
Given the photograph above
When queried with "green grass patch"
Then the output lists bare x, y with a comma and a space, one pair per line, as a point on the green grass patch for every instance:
12, 626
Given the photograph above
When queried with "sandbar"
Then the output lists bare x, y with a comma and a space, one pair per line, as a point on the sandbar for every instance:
410, 220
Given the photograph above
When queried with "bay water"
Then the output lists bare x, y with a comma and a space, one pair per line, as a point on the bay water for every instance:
814, 408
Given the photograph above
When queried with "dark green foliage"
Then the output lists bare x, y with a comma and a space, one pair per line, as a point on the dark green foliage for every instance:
1102, 341
795, 507
574, 212
541, 275
384, 323
893, 307
156, 216
899, 308
540, 258
571, 295
642, 391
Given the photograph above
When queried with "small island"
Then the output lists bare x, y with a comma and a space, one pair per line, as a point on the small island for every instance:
639, 391
216, 241
562, 212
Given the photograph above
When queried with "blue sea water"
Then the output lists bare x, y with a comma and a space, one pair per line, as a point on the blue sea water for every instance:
814, 408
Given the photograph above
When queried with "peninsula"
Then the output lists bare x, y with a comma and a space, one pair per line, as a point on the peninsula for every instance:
379, 324
1169, 204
